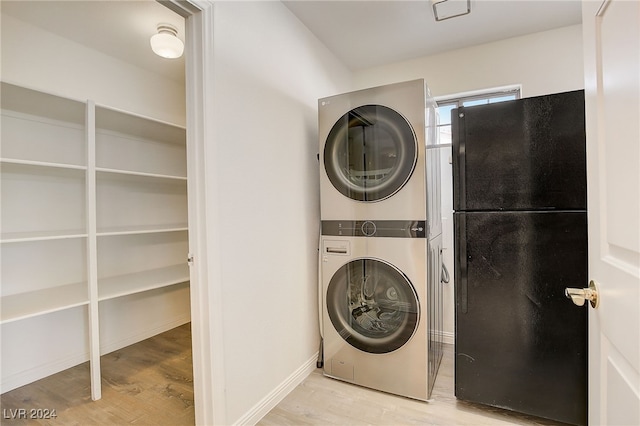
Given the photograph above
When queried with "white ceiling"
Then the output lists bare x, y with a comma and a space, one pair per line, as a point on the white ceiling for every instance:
370, 33
361, 33
117, 28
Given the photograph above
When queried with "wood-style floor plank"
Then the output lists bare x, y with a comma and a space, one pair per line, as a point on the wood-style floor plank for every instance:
149, 383
320, 400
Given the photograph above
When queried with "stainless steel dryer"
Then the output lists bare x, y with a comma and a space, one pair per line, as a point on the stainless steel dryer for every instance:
372, 152
374, 278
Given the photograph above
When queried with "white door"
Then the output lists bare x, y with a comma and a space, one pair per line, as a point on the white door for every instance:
612, 85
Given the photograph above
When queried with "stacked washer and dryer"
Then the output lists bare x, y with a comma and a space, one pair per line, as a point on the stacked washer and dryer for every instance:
381, 239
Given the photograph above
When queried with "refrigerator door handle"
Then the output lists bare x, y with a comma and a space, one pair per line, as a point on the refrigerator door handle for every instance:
461, 265
459, 153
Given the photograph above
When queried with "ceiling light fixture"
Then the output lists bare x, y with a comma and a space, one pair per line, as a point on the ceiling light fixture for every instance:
447, 9
166, 42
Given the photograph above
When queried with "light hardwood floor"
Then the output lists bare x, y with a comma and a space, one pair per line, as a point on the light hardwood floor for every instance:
151, 383
323, 401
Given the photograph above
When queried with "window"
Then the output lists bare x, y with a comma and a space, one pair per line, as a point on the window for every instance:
445, 106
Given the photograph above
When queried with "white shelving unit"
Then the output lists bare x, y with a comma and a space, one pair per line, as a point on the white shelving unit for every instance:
94, 208
44, 301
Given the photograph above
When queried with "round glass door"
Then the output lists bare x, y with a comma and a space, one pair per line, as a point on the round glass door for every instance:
370, 153
372, 305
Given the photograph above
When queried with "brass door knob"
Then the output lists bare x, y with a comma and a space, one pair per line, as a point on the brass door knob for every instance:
580, 295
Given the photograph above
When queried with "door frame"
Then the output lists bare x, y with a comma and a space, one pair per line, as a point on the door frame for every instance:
204, 251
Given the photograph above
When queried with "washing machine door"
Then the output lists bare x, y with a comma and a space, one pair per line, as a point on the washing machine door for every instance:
372, 305
370, 153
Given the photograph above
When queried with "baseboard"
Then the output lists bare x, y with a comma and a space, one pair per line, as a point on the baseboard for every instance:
108, 347
255, 414
261, 409
448, 337
25, 377
44, 370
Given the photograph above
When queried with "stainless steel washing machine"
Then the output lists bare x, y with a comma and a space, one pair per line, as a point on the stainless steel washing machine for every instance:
375, 320
372, 152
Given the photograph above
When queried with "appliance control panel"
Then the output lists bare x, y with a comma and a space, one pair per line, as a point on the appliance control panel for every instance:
375, 228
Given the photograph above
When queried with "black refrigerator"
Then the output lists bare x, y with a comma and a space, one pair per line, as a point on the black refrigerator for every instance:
520, 238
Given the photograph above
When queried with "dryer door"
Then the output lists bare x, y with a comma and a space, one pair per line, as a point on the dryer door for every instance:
370, 153
372, 305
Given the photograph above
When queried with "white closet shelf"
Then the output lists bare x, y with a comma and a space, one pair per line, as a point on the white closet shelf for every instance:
41, 104
42, 168
123, 285
140, 174
39, 302
133, 230
41, 164
112, 120
18, 237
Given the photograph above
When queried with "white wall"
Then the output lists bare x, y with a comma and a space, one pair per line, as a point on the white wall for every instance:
269, 72
41, 60
541, 63
37, 59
